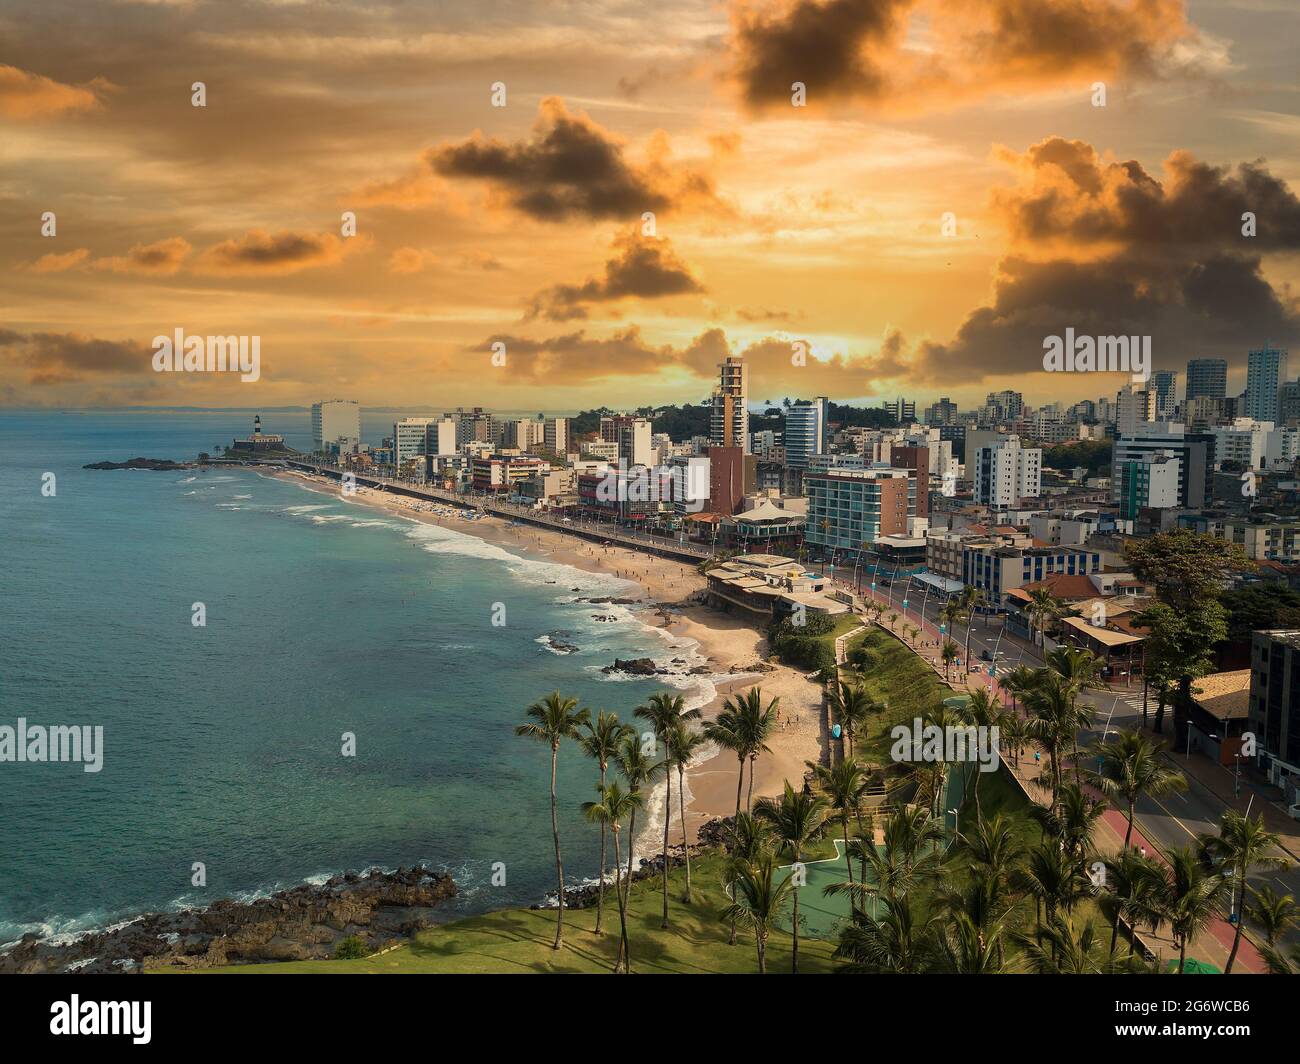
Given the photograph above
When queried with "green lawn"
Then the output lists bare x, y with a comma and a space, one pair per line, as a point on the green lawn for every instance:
896, 677
519, 940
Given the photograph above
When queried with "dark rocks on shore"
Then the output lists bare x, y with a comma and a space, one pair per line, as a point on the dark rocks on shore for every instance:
304, 923
610, 600
633, 666
561, 646
584, 897
161, 465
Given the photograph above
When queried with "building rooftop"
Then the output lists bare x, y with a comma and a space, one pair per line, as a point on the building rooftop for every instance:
1224, 695
1104, 636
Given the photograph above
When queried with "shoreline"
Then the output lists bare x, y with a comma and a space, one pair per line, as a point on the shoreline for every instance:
728, 644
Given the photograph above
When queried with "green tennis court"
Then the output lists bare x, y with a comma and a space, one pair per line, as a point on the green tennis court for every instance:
821, 916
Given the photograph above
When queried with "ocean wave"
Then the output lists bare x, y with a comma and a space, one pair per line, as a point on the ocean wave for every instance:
305, 509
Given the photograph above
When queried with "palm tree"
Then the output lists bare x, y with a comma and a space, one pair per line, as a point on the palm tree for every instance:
993, 847
1051, 721
759, 901
852, 705
1051, 878
1242, 844
1275, 913
685, 746
949, 655
664, 711
615, 805
1061, 948
635, 766
970, 599
983, 711
795, 819
1013, 734
1280, 963
896, 940
747, 840
843, 785
1042, 605
554, 719
601, 744
1080, 670
971, 942
1134, 883
908, 855
1192, 897
1020, 681
726, 730
1129, 767
1072, 821
757, 723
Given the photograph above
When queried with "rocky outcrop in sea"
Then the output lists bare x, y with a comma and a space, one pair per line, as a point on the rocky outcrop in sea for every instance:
303, 923
160, 465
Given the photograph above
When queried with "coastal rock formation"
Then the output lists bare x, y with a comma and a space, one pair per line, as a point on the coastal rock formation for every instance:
303, 923
561, 646
609, 600
161, 465
634, 666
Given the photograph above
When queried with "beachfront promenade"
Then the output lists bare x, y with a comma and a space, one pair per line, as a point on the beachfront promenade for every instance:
597, 531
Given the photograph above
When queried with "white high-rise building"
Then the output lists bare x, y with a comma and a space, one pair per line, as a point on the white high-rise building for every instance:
335, 419
1134, 407
1005, 472
806, 431
423, 437
1244, 441
555, 437
1265, 372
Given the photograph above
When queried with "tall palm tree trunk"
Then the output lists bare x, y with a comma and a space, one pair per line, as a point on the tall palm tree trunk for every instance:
762, 952
559, 864
749, 798
794, 929
1239, 877
740, 781
686, 847
600, 882
668, 812
622, 957
627, 879
1129, 833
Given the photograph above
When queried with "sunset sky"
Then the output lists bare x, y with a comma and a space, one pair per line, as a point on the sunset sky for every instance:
523, 223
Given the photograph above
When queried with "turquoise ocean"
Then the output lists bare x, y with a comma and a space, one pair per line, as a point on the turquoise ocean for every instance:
222, 743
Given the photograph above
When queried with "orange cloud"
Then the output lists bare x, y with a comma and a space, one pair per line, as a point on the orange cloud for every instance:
410, 260
643, 267
573, 168
24, 95
161, 258
56, 262
258, 252
910, 55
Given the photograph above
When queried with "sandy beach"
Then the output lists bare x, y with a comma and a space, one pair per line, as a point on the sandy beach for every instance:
727, 642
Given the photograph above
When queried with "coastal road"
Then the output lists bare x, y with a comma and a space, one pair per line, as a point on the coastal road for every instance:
1171, 821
